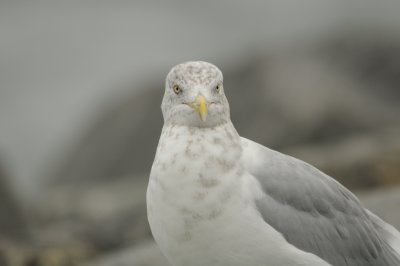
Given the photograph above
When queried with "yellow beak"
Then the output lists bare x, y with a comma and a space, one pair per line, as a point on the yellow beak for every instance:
200, 105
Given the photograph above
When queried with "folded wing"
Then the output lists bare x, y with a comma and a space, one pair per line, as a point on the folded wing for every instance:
315, 213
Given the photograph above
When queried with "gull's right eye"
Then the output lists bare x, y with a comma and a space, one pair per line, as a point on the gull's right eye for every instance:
176, 89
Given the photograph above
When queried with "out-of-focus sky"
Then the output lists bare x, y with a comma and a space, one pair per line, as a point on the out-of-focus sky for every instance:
62, 61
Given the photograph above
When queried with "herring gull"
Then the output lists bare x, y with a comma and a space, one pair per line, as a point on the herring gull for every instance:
217, 199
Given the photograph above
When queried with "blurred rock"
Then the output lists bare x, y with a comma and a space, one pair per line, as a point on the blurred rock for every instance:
72, 224
374, 59
146, 254
303, 100
384, 202
121, 142
12, 224
30, 255
365, 160
104, 215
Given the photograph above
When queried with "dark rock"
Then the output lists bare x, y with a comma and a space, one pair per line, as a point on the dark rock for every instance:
12, 223
145, 254
103, 216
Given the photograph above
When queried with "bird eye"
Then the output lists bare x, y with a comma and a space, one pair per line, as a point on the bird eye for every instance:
218, 88
176, 89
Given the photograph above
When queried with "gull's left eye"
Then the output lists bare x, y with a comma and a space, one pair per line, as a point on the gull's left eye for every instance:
218, 88
176, 89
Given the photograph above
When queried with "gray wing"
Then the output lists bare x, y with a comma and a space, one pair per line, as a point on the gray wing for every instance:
314, 212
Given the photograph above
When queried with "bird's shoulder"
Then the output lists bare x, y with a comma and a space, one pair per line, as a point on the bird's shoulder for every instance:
282, 175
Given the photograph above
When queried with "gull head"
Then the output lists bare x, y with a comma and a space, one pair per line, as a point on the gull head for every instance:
194, 96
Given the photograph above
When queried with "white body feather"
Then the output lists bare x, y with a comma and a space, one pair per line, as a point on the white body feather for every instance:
205, 214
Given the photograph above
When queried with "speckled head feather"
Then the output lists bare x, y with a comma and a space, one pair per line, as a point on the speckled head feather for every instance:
185, 84
194, 73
